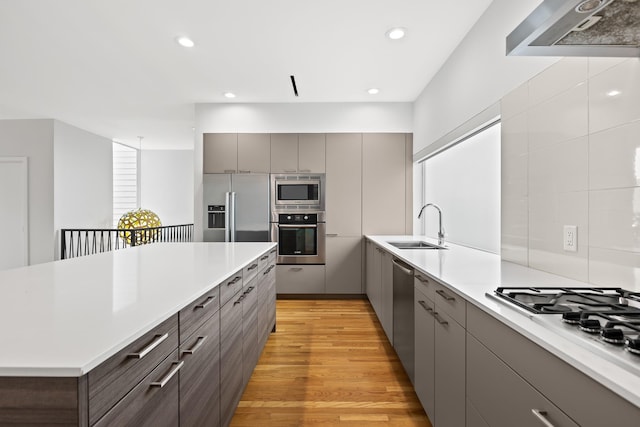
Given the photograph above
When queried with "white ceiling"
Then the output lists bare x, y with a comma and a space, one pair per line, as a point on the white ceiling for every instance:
113, 67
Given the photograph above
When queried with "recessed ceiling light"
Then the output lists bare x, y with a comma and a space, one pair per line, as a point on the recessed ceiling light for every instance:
396, 33
229, 95
373, 91
613, 93
185, 41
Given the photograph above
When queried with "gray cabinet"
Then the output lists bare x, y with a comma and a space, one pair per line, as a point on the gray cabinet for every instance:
439, 352
344, 265
293, 153
374, 276
379, 286
231, 366
344, 184
300, 279
236, 153
249, 329
384, 200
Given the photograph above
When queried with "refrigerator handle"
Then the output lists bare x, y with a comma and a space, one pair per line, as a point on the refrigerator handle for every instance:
232, 218
227, 216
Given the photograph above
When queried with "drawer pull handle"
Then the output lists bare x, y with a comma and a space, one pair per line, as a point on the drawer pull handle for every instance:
296, 269
264, 257
440, 319
197, 346
243, 171
249, 289
229, 171
305, 170
148, 349
332, 234
234, 281
167, 378
252, 267
268, 270
209, 300
290, 170
542, 417
444, 295
272, 251
422, 279
426, 307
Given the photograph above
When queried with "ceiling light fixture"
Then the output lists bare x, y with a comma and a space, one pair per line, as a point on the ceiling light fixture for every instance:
613, 93
373, 91
396, 33
229, 95
185, 41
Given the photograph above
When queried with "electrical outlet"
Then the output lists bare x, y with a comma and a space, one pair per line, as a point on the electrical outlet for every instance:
570, 238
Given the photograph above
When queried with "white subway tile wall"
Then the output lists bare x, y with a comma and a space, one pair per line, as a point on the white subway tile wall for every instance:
571, 156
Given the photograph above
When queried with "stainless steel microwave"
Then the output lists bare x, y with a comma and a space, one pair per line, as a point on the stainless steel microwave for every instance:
302, 191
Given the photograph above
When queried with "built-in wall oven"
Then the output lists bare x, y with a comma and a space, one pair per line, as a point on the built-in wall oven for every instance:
300, 238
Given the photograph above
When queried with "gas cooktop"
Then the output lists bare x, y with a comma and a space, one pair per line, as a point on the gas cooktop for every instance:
609, 316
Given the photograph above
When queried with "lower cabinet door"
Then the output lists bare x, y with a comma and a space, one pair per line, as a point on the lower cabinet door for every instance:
502, 398
230, 358
153, 402
249, 331
449, 371
301, 279
200, 376
424, 381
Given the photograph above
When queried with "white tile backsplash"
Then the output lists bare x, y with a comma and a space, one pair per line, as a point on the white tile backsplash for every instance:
614, 157
561, 118
582, 165
614, 96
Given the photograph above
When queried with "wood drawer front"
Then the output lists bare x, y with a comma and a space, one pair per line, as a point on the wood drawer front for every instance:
230, 358
501, 397
113, 379
43, 401
595, 405
250, 271
200, 376
451, 303
230, 287
263, 261
425, 284
148, 404
272, 255
249, 331
196, 313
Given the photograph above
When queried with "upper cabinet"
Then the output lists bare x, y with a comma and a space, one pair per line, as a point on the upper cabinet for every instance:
293, 153
236, 153
220, 152
344, 184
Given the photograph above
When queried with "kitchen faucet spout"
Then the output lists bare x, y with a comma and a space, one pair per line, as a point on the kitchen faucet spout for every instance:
440, 229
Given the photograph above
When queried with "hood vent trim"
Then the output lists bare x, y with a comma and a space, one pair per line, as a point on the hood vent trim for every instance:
558, 28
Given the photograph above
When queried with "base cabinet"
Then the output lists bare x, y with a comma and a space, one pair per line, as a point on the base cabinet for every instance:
344, 265
379, 286
231, 366
300, 279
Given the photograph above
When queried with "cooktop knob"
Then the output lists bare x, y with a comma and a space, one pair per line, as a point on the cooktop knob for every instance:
591, 326
572, 317
612, 335
633, 345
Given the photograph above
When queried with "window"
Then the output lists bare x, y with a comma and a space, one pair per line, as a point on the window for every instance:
125, 180
464, 181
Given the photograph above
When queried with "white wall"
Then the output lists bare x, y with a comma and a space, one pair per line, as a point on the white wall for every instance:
34, 139
83, 185
477, 74
292, 118
167, 185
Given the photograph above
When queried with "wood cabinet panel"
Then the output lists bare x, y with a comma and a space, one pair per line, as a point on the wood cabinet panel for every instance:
254, 151
115, 377
424, 330
149, 404
200, 376
43, 401
230, 358
311, 153
344, 184
344, 265
220, 152
249, 330
230, 287
383, 183
195, 314
284, 153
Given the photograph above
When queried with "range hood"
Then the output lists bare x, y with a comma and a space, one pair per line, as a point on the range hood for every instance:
579, 28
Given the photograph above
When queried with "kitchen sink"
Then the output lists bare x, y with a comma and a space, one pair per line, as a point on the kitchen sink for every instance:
415, 244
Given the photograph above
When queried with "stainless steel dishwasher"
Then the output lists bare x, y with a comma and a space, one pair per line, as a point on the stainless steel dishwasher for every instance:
403, 336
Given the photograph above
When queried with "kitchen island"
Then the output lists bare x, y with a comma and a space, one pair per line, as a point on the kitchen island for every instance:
80, 336
479, 351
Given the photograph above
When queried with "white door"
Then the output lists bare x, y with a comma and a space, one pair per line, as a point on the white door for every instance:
14, 245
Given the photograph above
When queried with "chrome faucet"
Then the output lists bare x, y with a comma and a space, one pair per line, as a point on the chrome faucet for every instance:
440, 230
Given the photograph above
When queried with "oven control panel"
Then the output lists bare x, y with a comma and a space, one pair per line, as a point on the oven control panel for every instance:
306, 218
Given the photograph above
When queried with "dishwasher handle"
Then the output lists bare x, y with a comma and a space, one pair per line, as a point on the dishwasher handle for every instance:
403, 267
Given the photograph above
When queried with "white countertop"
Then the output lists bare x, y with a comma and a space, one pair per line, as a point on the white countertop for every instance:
474, 273
64, 318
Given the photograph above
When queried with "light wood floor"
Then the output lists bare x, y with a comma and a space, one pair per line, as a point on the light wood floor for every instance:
328, 364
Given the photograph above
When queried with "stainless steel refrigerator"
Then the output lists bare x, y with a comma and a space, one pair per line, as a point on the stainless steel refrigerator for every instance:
236, 208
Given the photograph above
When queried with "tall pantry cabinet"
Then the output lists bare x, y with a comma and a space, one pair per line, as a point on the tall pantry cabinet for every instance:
368, 191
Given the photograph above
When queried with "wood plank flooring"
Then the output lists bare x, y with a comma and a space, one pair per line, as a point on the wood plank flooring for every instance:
329, 363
